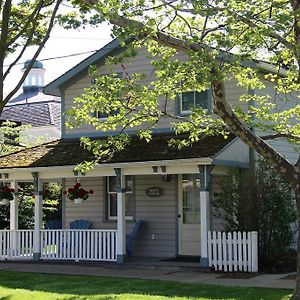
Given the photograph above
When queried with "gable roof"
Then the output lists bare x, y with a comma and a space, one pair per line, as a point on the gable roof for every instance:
80, 69
68, 152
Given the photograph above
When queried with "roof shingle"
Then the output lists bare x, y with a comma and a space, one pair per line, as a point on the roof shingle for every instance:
68, 152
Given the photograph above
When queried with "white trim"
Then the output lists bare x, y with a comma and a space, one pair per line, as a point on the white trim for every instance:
133, 168
203, 161
188, 112
108, 193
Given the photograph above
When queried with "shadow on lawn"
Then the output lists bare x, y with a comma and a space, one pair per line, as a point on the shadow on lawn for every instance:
92, 285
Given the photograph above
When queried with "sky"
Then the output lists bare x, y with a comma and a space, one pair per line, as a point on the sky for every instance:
62, 43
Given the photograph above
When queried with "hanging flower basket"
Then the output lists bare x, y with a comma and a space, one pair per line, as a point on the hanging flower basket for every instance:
78, 200
77, 193
4, 201
6, 195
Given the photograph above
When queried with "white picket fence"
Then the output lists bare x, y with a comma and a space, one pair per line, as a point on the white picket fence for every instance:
16, 244
61, 244
232, 252
78, 245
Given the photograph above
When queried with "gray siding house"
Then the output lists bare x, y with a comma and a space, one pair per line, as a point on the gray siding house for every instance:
170, 190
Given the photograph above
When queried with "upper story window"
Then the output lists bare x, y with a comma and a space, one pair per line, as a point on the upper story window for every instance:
104, 115
193, 99
112, 198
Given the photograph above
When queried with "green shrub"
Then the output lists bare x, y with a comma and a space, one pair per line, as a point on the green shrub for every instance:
263, 203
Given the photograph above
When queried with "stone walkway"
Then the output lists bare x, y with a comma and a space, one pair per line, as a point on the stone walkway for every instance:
160, 273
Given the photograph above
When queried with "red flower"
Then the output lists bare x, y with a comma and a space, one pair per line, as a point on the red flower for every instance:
77, 192
77, 185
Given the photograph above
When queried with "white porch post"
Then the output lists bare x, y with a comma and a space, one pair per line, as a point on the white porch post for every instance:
63, 203
14, 208
38, 206
121, 229
204, 212
13, 219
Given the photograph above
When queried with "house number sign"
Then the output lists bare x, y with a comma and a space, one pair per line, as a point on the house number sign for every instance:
154, 191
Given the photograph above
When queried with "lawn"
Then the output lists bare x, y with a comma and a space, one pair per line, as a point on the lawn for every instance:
30, 286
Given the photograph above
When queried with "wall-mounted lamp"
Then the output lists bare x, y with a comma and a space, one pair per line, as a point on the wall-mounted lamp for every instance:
154, 168
78, 173
4, 175
163, 169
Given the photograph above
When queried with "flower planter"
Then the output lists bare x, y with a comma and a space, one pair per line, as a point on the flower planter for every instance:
4, 201
78, 200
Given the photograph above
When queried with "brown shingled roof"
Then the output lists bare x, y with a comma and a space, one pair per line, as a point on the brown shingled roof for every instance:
68, 152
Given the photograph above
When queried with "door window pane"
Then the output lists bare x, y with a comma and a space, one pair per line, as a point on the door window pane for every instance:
191, 199
112, 197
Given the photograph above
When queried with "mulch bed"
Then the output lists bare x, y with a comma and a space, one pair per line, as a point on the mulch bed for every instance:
238, 275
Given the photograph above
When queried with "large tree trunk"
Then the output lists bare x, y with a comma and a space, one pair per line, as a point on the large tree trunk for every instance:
296, 294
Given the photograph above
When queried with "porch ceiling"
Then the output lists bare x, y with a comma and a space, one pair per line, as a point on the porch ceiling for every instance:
68, 152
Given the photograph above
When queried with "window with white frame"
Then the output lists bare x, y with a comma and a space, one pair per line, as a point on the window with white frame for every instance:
192, 99
104, 115
112, 198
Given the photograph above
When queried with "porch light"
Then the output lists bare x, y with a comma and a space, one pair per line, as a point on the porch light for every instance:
154, 168
78, 173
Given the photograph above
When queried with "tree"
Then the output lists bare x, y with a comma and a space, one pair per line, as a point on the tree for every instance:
266, 205
26, 23
222, 39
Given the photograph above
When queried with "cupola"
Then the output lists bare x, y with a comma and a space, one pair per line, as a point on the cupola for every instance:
35, 78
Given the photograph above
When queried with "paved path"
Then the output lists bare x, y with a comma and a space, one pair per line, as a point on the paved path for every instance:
265, 280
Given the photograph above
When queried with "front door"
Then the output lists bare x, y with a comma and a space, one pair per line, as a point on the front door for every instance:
189, 214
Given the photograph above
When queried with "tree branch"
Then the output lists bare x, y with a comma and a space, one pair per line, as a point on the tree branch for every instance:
38, 51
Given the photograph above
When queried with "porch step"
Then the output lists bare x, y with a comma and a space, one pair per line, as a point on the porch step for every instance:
172, 266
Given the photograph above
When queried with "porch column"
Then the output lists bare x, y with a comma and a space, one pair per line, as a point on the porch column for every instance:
14, 208
13, 217
38, 207
121, 229
204, 212
63, 203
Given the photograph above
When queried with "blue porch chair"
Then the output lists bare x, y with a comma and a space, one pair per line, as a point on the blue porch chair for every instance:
53, 224
81, 224
131, 237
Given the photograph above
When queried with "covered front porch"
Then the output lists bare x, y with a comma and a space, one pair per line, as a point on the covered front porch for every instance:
106, 239
170, 192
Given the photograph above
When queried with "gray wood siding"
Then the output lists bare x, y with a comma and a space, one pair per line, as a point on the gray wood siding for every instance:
158, 214
137, 64
284, 102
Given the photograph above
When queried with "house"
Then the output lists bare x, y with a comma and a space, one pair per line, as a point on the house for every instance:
34, 108
169, 189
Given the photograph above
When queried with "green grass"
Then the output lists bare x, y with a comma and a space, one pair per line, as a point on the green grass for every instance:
30, 286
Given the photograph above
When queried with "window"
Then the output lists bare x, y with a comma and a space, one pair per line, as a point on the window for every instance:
112, 198
191, 198
190, 100
104, 115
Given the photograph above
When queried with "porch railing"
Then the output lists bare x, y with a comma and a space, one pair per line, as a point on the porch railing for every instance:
230, 252
79, 244
61, 244
16, 244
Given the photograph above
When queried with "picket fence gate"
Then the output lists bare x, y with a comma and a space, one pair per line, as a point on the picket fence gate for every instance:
233, 252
